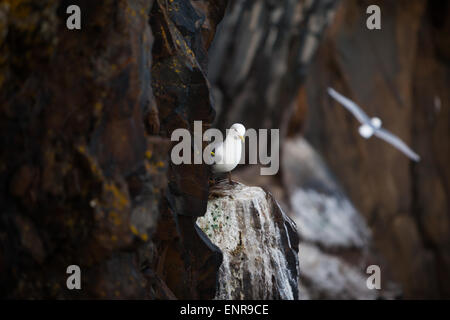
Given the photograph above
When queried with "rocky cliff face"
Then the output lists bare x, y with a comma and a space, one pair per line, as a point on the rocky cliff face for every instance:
336, 243
400, 74
260, 56
259, 243
85, 118
84, 171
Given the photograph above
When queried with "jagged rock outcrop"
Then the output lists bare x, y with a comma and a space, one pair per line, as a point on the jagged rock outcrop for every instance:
186, 261
85, 177
259, 243
399, 74
261, 55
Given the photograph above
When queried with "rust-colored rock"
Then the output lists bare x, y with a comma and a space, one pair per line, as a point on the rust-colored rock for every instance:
84, 162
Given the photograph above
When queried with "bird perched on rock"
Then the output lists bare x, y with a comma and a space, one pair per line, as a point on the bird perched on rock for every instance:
227, 154
372, 126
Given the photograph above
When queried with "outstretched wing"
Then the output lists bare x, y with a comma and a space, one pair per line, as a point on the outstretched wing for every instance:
350, 106
397, 143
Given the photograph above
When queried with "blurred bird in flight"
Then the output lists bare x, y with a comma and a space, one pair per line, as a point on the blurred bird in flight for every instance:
372, 126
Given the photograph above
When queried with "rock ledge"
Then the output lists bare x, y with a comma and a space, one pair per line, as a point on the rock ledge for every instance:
259, 243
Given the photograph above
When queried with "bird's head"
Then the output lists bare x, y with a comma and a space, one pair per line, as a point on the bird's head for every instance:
238, 131
376, 122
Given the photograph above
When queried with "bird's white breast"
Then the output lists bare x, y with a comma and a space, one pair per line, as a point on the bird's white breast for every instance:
228, 155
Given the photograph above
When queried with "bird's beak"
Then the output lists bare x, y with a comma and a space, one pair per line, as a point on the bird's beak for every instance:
242, 138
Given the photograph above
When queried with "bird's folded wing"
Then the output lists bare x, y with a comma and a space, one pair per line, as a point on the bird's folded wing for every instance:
397, 143
350, 106
218, 153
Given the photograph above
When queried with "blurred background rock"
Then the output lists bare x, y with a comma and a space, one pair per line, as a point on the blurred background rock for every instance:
86, 116
399, 73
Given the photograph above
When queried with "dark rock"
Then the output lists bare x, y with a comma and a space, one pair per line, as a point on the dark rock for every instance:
188, 261
336, 244
260, 57
399, 74
84, 168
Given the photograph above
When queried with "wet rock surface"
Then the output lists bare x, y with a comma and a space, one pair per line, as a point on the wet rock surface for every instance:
259, 243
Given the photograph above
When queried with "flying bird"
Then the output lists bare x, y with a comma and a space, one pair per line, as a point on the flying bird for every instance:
372, 126
227, 154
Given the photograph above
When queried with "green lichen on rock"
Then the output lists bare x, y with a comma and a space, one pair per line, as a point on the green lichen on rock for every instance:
259, 243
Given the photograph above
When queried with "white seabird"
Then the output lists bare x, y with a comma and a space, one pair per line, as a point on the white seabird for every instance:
227, 154
372, 126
